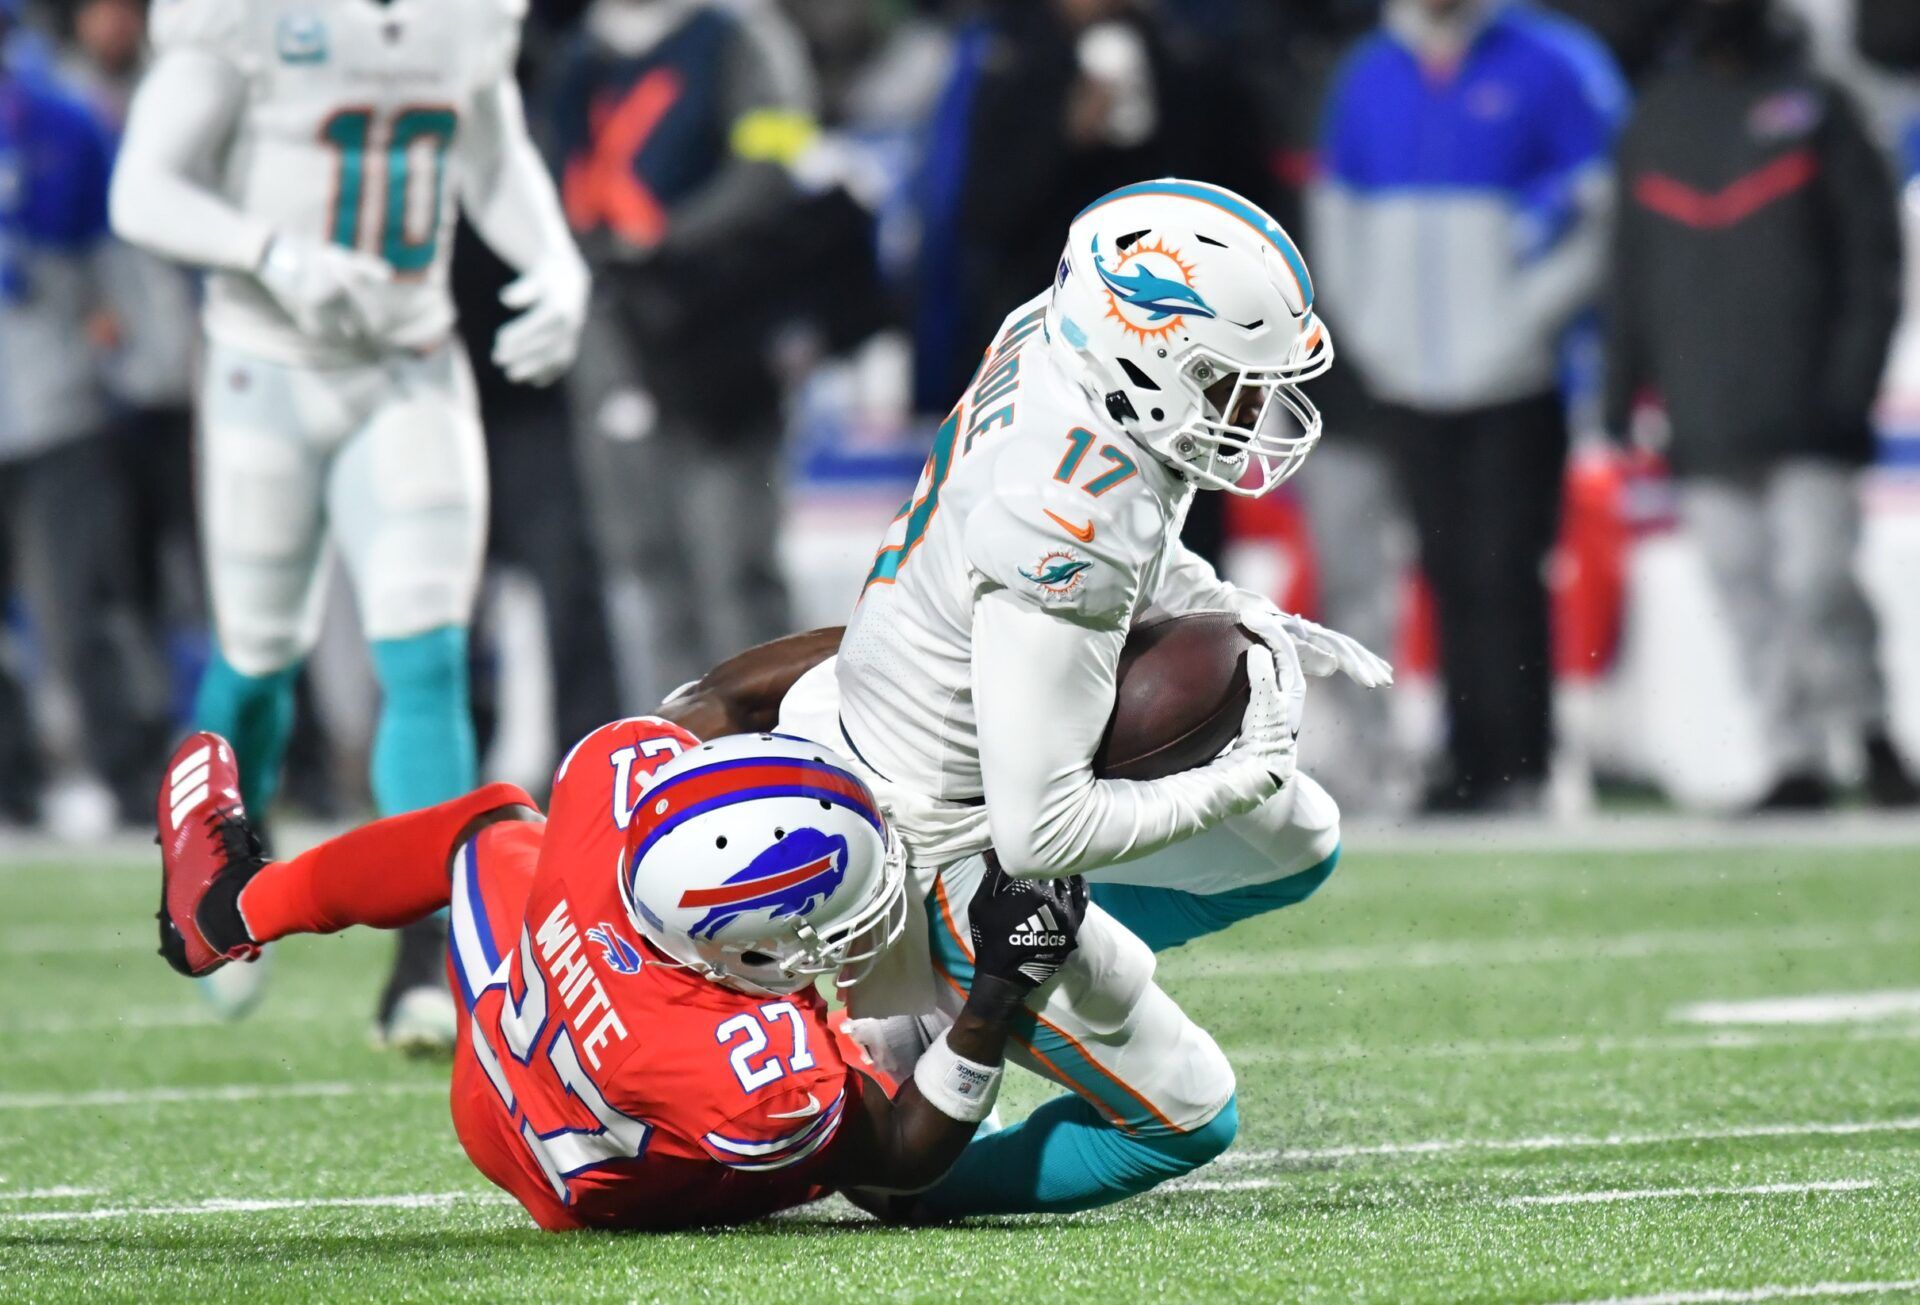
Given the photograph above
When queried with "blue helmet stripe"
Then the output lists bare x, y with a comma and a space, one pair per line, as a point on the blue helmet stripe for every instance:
1227, 202
822, 794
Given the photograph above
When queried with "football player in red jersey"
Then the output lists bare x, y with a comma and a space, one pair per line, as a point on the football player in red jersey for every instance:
644, 1046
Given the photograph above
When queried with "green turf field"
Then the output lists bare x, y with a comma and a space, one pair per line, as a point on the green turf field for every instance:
1462, 1077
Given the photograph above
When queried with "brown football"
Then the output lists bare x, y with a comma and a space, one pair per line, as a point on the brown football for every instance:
1182, 693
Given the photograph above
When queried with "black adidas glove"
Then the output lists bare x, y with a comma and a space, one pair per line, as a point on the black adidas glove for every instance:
1024, 929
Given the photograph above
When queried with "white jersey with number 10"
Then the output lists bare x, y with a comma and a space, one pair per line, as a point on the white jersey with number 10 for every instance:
346, 135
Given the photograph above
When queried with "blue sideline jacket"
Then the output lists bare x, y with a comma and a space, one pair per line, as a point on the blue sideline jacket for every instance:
1459, 222
55, 158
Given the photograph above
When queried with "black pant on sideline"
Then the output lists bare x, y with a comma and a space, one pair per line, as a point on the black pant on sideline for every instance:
63, 512
1484, 487
530, 443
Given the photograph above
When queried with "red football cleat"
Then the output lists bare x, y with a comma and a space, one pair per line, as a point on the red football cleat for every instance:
208, 847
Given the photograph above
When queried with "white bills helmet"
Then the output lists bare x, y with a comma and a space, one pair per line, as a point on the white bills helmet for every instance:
761, 861
1186, 313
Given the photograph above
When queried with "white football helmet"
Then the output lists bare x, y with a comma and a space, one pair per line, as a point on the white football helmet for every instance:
762, 862
1186, 313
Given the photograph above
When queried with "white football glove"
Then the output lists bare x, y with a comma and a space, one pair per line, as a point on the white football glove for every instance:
1272, 719
327, 290
538, 346
1321, 651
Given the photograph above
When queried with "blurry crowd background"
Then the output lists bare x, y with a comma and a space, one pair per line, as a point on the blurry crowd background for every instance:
1671, 224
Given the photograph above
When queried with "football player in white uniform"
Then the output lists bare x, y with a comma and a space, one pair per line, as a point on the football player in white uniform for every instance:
978, 673
310, 155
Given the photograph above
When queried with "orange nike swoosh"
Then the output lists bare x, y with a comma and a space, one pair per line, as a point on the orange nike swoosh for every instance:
1082, 533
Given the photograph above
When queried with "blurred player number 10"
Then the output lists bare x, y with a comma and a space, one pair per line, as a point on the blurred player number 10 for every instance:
405, 241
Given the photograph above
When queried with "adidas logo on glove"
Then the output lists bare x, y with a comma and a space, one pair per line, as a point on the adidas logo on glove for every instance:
1039, 930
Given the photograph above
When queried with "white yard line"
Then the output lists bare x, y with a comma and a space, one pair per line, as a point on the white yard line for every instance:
47, 1193
1812, 1008
65, 939
1566, 1045
228, 1092
1564, 1198
1473, 953
1744, 1295
1516, 874
1571, 1142
1652, 832
410, 1201
1670, 1193
157, 1017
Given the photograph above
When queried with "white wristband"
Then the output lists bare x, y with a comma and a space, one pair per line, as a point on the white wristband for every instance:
958, 1088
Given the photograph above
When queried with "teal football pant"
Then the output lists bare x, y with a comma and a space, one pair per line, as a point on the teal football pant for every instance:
1069, 1155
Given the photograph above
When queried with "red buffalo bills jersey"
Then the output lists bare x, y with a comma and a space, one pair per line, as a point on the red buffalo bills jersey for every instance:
598, 1083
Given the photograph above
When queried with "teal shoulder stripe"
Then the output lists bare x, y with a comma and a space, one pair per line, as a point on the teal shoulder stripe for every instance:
1227, 202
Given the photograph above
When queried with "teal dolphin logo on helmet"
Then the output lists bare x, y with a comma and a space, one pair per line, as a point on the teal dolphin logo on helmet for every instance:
1159, 297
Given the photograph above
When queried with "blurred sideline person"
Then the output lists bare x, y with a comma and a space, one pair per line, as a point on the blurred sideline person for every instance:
311, 156
149, 369
1460, 226
1752, 181
547, 535
675, 122
63, 538
1047, 102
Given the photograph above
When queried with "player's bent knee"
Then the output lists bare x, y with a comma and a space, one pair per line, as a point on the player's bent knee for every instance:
1299, 887
1201, 1145
262, 652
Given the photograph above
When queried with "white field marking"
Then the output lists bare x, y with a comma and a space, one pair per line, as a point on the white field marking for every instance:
1565, 1045
1476, 952
1562, 1198
1665, 877
1744, 1295
1673, 1193
1221, 1184
47, 1193
1572, 1142
1814, 1008
157, 1017
1654, 832
221, 1205
227, 1092
60, 939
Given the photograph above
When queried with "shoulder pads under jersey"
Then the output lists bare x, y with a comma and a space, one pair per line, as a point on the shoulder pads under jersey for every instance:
1070, 527
216, 27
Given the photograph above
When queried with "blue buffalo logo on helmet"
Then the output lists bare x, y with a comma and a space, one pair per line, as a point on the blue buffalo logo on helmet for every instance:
791, 878
1149, 289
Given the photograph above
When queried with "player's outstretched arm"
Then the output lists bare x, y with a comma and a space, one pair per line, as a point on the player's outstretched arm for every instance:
742, 695
1043, 690
509, 195
906, 1143
182, 116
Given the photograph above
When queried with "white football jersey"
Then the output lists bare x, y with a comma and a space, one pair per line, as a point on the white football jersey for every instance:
1029, 489
347, 134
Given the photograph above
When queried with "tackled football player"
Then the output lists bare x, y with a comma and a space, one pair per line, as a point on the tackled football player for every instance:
978, 673
643, 1046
